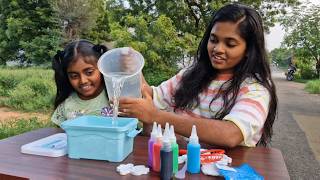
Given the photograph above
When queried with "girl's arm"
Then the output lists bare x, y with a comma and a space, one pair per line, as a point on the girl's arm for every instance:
214, 132
146, 88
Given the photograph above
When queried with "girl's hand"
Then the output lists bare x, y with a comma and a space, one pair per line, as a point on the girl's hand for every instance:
127, 62
141, 108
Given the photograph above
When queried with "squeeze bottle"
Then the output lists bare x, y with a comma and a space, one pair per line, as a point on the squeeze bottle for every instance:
156, 150
175, 150
152, 140
166, 156
193, 152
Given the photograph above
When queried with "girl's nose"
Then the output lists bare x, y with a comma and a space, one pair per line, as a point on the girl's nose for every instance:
83, 79
218, 48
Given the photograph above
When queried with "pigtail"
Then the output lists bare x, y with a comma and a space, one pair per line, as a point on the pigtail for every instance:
60, 78
57, 59
100, 49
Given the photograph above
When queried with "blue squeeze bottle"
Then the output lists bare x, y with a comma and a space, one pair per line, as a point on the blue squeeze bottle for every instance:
153, 138
166, 156
193, 152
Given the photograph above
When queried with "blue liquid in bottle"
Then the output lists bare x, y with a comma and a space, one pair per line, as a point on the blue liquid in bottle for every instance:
193, 153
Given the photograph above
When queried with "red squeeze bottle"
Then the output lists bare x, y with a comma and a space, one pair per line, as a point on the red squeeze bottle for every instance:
156, 164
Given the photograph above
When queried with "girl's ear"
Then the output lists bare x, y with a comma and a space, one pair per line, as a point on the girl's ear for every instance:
100, 49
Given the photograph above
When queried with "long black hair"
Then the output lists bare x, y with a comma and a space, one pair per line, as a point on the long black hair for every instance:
254, 64
71, 53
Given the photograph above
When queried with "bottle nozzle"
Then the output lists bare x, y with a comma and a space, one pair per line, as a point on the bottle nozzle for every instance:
194, 137
166, 144
172, 135
159, 133
154, 131
166, 130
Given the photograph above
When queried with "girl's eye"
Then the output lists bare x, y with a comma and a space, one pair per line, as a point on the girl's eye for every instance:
231, 45
73, 76
213, 39
89, 72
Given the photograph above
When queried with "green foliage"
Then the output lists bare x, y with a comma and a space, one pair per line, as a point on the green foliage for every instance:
155, 78
78, 17
41, 49
313, 86
281, 55
35, 93
305, 70
101, 32
168, 32
19, 126
303, 30
25, 26
158, 41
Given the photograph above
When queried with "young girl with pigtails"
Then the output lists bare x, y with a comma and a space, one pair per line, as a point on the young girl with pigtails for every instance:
80, 85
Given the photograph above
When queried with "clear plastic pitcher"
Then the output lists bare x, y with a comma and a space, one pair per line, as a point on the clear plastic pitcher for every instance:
124, 63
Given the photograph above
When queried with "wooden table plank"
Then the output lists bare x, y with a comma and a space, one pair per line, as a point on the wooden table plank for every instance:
13, 164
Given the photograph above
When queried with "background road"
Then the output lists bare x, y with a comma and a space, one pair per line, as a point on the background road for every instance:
297, 129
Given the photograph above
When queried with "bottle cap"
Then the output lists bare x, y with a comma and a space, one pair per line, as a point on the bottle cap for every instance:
166, 144
166, 130
154, 131
194, 137
159, 133
173, 138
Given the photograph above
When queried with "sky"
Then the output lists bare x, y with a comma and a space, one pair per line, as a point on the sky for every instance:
275, 37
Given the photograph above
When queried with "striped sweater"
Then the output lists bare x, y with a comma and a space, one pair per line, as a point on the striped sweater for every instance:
249, 112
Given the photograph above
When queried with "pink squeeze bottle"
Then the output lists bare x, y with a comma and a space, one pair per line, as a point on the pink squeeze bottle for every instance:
156, 151
152, 140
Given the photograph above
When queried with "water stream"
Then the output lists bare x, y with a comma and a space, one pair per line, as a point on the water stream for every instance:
118, 80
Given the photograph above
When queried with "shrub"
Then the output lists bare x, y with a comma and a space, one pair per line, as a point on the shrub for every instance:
313, 86
157, 77
305, 71
29, 89
8, 81
33, 94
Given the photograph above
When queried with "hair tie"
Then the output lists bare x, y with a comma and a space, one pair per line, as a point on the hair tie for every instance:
100, 49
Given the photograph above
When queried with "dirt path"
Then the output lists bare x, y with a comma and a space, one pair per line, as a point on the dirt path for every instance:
7, 114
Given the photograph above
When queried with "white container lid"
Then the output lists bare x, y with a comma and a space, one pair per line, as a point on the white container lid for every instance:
52, 146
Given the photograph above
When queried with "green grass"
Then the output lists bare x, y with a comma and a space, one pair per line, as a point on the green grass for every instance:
27, 89
313, 86
19, 126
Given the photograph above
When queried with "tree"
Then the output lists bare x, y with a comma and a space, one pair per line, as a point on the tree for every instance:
303, 34
158, 41
281, 56
193, 16
78, 17
25, 24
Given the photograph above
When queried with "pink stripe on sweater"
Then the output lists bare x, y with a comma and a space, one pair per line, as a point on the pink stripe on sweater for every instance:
255, 104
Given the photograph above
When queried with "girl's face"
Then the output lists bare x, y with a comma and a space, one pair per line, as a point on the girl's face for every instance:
85, 79
225, 46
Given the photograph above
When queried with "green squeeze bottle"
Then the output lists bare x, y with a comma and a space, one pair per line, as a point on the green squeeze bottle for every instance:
175, 150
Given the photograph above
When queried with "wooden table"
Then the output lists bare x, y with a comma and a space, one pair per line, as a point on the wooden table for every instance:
15, 165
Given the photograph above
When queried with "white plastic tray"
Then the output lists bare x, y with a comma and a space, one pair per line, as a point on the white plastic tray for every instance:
52, 146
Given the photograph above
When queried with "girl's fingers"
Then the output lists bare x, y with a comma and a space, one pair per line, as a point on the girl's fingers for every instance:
127, 100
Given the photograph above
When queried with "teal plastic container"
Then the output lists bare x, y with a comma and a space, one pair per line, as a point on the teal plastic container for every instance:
94, 137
